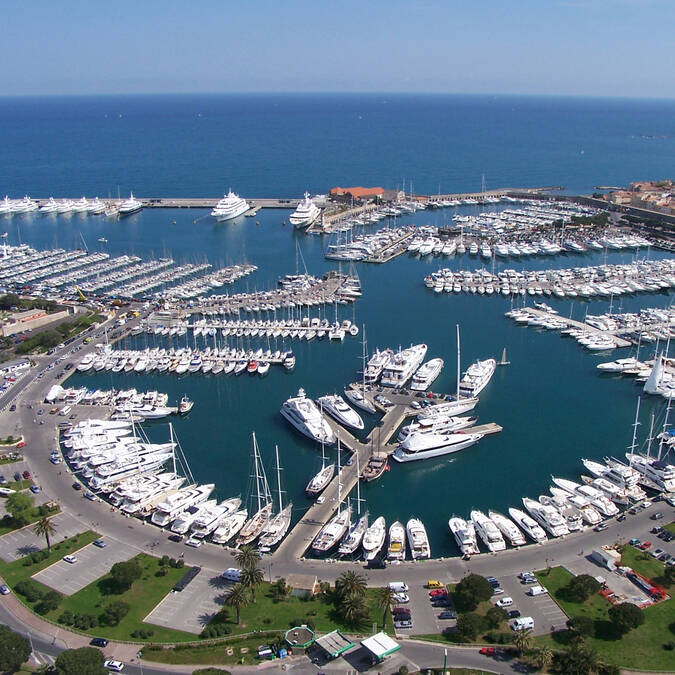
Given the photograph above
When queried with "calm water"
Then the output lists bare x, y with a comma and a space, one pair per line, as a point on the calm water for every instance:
553, 406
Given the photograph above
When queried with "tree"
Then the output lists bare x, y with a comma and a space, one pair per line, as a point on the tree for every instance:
49, 602
353, 609
495, 616
385, 598
19, 505
247, 556
543, 657
82, 661
578, 659
237, 598
281, 590
523, 640
472, 590
115, 612
469, 626
45, 528
582, 626
125, 573
250, 578
14, 650
626, 616
582, 587
350, 583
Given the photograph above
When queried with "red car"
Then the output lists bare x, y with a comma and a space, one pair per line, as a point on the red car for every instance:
21, 445
488, 651
645, 545
26, 474
437, 592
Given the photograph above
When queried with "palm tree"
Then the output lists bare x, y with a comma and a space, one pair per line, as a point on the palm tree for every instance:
250, 578
247, 556
385, 598
522, 640
353, 608
237, 598
350, 583
45, 528
544, 657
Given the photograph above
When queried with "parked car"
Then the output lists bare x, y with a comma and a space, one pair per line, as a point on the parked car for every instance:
645, 545
656, 516
600, 527
77, 486
437, 591
35, 489
99, 543
514, 614
4, 589
448, 614
403, 624
401, 598
26, 474
488, 651
115, 666
442, 601
70, 559
99, 642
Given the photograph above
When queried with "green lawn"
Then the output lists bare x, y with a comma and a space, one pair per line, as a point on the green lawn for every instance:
34, 516
642, 648
266, 614
670, 527
642, 562
143, 596
16, 571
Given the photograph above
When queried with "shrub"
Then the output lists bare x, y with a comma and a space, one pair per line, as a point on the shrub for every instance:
66, 618
85, 621
216, 630
469, 626
582, 587
30, 590
626, 616
500, 637
581, 625
39, 556
114, 613
49, 602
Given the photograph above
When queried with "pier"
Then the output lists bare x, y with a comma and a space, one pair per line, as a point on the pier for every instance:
300, 538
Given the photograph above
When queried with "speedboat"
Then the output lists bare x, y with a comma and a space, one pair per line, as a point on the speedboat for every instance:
396, 548
336, 407
231, 206
303, 414
305, 214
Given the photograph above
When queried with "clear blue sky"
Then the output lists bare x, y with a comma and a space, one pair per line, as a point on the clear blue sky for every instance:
587, 47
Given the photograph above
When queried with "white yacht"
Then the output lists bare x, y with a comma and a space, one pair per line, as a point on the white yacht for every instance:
306, 213
231, 206
229, 527
277, 526
96, 207
336, 407
448, 408
613, 492
531, 528
50, 206
418, 540
129, 206
377, 363
87, 362
147, 495
113, 472
659, 472
352, 540
427, 445
64, 206
582, 504
547, 516
359, 400
320, 481
402, 365
209, 519
168, 510
440, 425
570, 513
396, 548
488, 532
508, 528
332, 532
426, 374
465, 535
81, 205
186, 519
303, 414
477, 377
590, 494
624, 477
373, 538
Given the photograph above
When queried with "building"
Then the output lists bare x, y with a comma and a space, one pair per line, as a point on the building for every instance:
299, 638
20, 322
304, 585
14, 367
380, 646
607, 557
358, 194
334, 644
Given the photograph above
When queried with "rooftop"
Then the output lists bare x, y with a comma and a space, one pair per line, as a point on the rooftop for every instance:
334, 643
380, 645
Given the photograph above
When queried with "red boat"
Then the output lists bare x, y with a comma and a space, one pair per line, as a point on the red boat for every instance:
252, 367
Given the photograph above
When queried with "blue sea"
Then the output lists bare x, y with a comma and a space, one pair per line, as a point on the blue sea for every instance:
553, 405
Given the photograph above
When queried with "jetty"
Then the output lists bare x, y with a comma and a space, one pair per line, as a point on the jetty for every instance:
298, 541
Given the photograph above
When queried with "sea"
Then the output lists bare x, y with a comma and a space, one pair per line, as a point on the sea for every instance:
554, 406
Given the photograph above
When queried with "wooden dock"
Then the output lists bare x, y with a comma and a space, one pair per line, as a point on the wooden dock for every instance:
580, 325
392, 250
305, 531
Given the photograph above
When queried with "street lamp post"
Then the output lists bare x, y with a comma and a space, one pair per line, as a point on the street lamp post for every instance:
445, 660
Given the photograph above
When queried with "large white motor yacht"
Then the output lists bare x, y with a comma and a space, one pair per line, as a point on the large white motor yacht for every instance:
659, 472
173, 506
373, 538
426, 375
488, 532
530, 526
396, 548
476, 377
303, 414
306, 213
336, 407
508, 528
402, 365
427, 445
547, 516
465, 535
129, 206
231, 206
418, 540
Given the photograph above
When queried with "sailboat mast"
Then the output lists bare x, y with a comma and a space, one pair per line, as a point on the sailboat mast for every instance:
458, 362
276, 452
358, 486
173, 449
257, 473
665, 428
363, 369
339, 476
635, 426
651, 438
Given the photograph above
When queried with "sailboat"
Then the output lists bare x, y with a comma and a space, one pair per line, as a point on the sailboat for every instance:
319, 482
277, 526
255, 525
504, 361
358, 398
336, 527
354, 536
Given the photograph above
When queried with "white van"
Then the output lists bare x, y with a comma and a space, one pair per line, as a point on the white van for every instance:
537, 590
504, 602
231, 574
65, 410
523, 623
398, 586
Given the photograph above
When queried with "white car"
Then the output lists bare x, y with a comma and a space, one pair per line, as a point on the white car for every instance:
70, 559
401, 598
504, 602
116, 666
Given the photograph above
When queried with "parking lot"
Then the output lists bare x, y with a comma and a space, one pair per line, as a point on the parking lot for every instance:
92, 563
23, 542
192, 608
